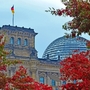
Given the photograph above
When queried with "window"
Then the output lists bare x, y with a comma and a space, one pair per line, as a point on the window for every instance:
12, 40
74, 81
56, 89
19, 41
64, 82
25, 42
53, 83
41, 80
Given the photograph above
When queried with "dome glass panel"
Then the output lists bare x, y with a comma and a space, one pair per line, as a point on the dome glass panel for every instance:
64, 47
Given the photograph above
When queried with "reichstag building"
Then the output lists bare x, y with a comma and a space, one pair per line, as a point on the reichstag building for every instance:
21, 43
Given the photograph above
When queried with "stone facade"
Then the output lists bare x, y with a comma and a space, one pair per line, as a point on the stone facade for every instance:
20, 42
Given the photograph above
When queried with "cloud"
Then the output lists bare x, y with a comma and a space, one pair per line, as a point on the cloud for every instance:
43, 3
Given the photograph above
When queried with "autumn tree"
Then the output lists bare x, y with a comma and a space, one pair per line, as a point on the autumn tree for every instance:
79, 10
76, 68
22, 81
4, 62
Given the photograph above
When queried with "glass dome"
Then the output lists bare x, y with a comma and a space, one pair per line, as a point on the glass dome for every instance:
64, 47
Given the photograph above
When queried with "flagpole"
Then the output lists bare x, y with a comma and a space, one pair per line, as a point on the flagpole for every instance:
12, 19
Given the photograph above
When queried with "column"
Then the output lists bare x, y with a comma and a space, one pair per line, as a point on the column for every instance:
33, 73
48, 80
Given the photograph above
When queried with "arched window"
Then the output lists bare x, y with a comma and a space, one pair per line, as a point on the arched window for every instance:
19, 41
12, 40
41, 80
25, 42
53, 83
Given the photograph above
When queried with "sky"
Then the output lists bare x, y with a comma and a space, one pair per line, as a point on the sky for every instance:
31, 14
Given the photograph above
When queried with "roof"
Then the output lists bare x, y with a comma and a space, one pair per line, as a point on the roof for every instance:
16, 28
64, 47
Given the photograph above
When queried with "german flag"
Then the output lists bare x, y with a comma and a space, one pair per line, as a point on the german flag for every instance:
12, 9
